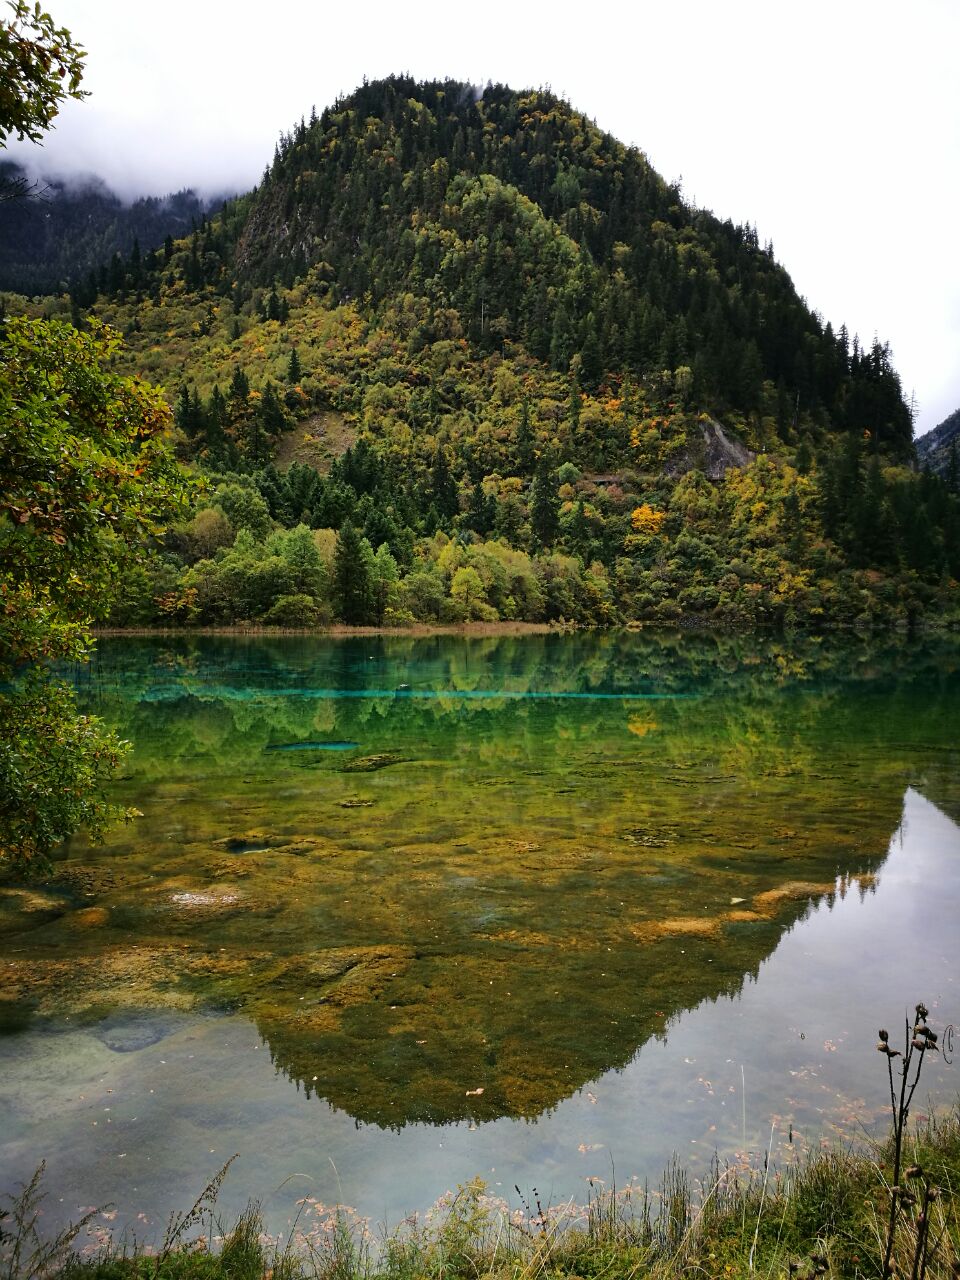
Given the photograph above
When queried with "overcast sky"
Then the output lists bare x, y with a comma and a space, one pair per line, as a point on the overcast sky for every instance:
833, 125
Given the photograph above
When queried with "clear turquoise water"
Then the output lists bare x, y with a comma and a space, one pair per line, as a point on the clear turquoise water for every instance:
399, 912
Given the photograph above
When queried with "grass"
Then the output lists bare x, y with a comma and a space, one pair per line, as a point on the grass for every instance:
826, 1216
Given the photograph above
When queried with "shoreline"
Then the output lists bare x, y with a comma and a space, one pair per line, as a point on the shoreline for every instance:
337, 630
424, 630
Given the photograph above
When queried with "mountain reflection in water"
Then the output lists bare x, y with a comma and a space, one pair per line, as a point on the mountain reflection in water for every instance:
488, 904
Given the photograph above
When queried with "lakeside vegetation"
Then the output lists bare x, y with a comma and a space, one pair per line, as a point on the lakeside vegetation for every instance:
827, 1215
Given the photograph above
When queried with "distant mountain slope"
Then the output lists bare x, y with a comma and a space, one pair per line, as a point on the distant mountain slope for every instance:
58, 233
937, 448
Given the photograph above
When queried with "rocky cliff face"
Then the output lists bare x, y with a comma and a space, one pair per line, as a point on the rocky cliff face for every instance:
934, 449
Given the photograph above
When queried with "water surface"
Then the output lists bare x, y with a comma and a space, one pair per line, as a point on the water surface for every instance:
403, 911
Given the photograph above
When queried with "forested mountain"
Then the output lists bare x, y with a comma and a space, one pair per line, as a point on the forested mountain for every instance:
54, 233
491, 347
939, 450
537, 228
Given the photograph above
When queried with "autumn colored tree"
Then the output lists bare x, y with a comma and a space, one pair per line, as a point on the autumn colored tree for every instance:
40, 67
84, 475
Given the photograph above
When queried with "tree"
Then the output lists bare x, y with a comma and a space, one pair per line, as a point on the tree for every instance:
40, 67
352, 588
84, 476
294, 371
444, 495
244, 507
544, 504
384, 582
467, 590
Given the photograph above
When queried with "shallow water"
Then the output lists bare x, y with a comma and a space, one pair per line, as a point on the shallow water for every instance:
399, 912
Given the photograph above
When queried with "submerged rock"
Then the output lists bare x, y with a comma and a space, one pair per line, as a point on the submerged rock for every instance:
792, 891
90, 918
679, 927
130, 1032
22, 909
262, 842
370, 764
250, 842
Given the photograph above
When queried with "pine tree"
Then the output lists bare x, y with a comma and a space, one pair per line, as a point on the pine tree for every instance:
444, 496
294, 372
525, 440
544, 504
216, 418
239, 386
181, 410
479, 515
352, 589
270, 410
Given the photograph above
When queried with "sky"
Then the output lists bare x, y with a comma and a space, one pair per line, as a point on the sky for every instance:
833, 127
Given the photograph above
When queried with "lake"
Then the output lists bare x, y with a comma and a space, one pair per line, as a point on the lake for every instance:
401, 911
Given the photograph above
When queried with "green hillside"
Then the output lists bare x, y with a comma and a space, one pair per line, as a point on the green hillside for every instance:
497, 368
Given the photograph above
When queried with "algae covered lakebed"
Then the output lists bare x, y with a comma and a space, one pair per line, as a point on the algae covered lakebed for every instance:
402, 911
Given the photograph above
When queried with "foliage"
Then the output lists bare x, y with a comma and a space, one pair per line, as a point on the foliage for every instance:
40, 67
84, 473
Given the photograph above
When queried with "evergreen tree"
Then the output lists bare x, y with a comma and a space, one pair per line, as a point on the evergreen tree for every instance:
216, 419
181, 409
294, 372
525, 440
270, 411
384, 582
544, 504
352, 587
480, 514
239, 385
444, 489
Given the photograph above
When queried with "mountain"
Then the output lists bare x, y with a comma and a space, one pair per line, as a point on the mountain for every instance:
491, 346
56, 233
938, 449
536, 227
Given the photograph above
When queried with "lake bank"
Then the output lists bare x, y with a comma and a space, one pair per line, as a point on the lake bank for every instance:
692, 622
824, 1215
